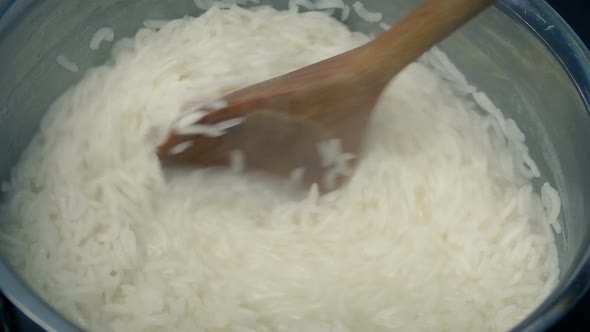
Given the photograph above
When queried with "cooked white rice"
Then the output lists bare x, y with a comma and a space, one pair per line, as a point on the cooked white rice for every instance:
439, 228
181, 147
237, 161
365, 14
67, 64
297, 175
384, 26
102, 34
295, 4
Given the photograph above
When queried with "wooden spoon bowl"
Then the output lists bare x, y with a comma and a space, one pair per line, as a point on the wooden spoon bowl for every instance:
286, 118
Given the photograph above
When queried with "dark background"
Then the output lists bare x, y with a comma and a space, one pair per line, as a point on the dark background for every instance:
577, 14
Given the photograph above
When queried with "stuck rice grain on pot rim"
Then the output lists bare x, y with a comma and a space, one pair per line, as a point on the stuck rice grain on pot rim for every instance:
439, 226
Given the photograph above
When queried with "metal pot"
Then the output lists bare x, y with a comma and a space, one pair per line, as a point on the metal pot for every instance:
521, 53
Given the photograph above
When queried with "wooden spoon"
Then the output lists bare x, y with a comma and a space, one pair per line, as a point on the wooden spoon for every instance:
329, 102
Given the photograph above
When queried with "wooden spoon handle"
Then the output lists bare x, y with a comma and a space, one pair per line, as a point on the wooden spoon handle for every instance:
415, 34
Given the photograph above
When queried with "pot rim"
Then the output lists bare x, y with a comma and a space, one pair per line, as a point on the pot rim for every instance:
573, 56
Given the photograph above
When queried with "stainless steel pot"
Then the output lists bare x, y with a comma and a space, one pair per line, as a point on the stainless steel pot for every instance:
521, 53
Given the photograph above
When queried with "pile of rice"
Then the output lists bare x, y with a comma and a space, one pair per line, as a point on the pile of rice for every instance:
439, 228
